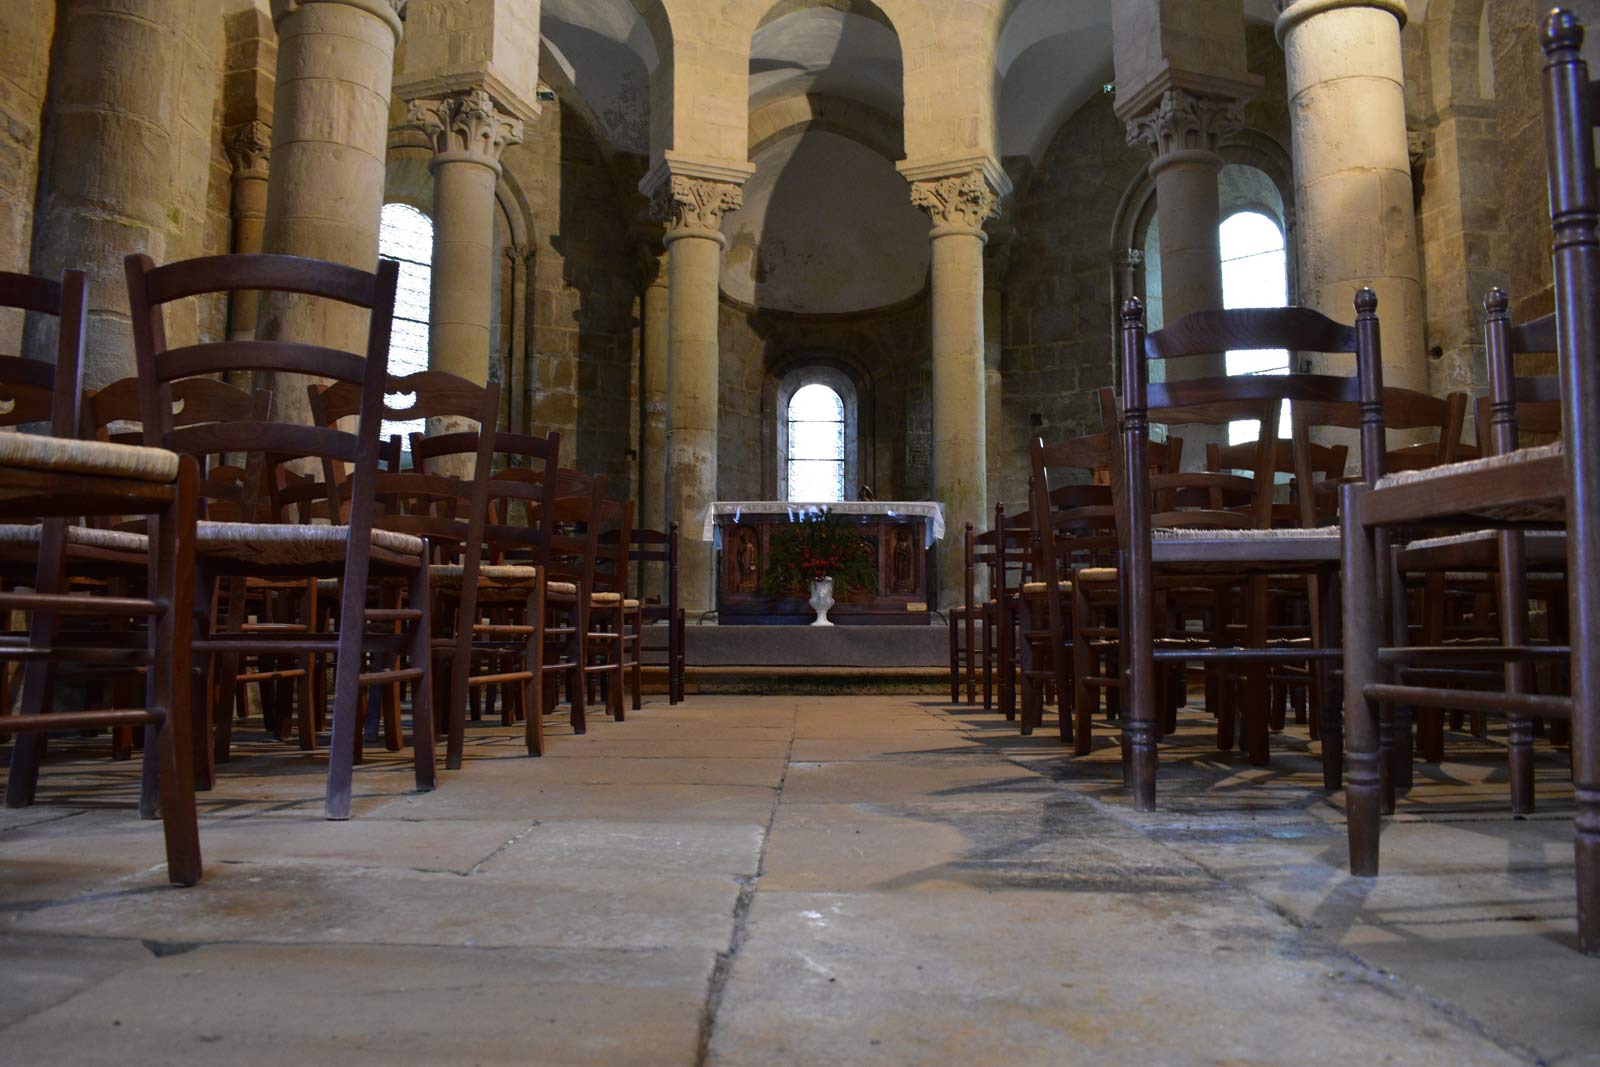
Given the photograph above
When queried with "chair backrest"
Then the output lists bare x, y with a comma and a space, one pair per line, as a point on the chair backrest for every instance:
32, 391
1575, 217
1258, 397
520, 526
655, 547
151, 288
1074, 524
1316, 469
1517, 403
229, 492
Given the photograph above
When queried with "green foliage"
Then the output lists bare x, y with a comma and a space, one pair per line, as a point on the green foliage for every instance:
803, 552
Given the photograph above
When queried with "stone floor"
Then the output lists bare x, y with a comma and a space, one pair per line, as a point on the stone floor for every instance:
807, 881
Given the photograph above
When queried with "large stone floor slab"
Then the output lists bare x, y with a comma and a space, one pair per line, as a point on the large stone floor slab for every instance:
795, 881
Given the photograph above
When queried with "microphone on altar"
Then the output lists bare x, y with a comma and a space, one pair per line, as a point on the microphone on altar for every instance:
865, 493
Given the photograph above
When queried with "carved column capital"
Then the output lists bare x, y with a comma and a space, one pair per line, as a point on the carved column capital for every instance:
249, 150
1186, 127
465, 127
957, 203
389, 12
693, 207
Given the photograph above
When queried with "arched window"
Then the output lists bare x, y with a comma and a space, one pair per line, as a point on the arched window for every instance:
1255, 273
406, 235
815, 460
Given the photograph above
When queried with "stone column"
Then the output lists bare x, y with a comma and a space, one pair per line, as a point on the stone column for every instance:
958, 200
692, 206
653, 347
468, 132
249, 150
110, 163
329, 139
997, 261
517, 259
1184, 131
1352, 169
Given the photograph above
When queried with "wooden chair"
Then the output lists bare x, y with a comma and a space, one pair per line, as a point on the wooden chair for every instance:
354, 551
1551, 486
656, 547
1505, 569
1074, 529
526, 488
56, 478
1225, 547
450, 511
227, 492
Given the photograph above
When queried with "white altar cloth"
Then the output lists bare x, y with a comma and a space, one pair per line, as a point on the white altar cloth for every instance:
802, 512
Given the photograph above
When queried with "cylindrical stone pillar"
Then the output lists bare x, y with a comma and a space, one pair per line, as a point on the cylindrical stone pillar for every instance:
958, 205
653, 389
329, 139
653, 343
1352, 169
1184, 131
110, 164
517, 257
468, 132
693, 210
249, 152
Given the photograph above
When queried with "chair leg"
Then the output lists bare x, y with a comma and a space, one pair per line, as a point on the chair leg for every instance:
1330, 718
422, 715
50, 579
955, 663
1363, 622
169, 681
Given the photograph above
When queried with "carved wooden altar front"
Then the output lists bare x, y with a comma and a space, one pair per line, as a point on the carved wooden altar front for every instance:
899, 543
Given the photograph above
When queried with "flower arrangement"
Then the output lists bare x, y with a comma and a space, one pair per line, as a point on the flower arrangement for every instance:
805, 552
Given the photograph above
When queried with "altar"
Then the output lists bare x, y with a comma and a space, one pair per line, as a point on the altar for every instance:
899, 535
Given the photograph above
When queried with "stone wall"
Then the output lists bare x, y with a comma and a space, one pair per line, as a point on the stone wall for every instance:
583, 285
27, 27
1058, 329
1061, 290
885, 355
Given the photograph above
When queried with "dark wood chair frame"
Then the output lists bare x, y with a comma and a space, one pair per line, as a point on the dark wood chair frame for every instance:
1526, 487
1245, 550
150, 289
45, 393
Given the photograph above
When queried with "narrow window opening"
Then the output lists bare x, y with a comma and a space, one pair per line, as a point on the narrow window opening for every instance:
1255, 273
406, 236
815, 463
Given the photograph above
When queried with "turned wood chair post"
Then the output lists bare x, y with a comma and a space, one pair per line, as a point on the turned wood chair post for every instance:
50, 573
1511, 580
1574, 213
1140, 722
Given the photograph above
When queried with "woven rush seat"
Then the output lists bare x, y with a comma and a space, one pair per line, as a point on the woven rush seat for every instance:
20, 542
605, 598
1446, 470
497, 573
1282, 534
561, 588
291, 543
1029, 588
64, 455
1097, 574
1479, 536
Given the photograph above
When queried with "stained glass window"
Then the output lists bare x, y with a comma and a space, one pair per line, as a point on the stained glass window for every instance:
406, 236
816, 445
1255, 274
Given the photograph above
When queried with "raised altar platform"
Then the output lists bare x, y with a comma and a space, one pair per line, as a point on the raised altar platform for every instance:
899, 534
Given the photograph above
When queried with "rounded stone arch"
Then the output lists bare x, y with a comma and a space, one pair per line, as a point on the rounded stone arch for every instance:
1464, 65
1133, 227
847, 376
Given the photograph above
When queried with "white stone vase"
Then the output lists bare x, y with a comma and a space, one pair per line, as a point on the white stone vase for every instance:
822, 600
